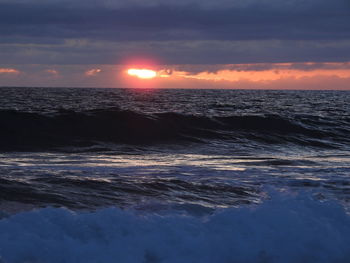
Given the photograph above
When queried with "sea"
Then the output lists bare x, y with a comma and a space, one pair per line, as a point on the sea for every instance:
174, 175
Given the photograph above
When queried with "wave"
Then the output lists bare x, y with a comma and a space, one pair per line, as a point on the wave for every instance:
84, 193
30, 131
287, 228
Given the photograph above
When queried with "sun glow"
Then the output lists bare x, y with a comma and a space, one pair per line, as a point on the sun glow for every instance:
142, 73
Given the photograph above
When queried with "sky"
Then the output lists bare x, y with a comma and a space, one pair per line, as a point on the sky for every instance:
259, 44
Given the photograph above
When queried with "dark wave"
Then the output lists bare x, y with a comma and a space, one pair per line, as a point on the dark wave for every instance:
31, 131
84, 193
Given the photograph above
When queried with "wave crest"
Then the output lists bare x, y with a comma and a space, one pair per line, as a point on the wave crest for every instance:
29, 131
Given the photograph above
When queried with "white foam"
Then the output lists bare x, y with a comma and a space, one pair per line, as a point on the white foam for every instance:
285, 229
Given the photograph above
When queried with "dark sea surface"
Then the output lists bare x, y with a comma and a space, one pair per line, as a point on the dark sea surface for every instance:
174, 175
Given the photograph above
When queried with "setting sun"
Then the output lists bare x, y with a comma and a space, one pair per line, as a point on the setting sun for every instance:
142, 73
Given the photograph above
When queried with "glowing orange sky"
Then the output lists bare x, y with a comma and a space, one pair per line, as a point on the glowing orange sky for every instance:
261, 76
247, 72
235, 76
241, 76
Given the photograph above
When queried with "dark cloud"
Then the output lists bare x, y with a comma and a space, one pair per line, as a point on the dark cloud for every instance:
185, 32
322, 20
307, 66
176, 52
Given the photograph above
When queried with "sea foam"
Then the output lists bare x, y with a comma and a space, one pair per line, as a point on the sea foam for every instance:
287, 228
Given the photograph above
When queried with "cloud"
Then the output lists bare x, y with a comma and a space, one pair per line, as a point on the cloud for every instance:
180, 32
92, 72
9, 71
263, 74
80, 51
313, 20
274, 76
52, 71
196, 37
259, 67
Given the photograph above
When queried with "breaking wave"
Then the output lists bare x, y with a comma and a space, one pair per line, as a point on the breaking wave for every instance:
285, 229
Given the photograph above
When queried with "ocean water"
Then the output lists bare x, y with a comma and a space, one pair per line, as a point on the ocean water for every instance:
123, 175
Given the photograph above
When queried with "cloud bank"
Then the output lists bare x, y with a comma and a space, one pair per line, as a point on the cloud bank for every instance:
79, 43
185, 32
243, 76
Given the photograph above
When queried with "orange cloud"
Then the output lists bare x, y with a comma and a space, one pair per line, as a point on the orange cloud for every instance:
268, 72
8, 71
261, 76
303, 66
92, 72
306, 83
52, 71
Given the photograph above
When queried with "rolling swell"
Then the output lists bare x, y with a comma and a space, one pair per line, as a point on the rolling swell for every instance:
37, 131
